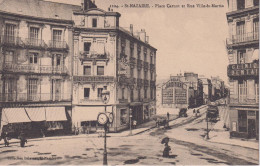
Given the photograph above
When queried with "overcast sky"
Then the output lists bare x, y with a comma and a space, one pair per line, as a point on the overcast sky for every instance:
187, 39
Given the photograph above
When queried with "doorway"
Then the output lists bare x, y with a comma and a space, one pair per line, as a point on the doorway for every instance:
251, 128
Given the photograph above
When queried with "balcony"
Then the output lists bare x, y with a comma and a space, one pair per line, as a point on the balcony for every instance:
242, 39
146, 83
243, 70
35, 43
25, 97
139, 64
123, 100
132, 81
245, 101
38, 69
140, 82
11, 41
58, 46
91, 55
152, 67
152, 83
146, 66
93, 79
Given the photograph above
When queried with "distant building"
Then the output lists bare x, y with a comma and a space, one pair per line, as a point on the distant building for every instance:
207, 90
243, 68
218, 88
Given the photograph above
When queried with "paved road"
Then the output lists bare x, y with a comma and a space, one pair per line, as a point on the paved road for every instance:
186, 134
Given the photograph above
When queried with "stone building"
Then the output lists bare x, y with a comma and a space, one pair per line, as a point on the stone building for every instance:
36, 52
110, 58
243, 68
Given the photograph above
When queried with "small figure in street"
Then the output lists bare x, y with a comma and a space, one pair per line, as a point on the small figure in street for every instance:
22, 138
168, 119
4, 135
134, 124
198, 112
167, 148
194, 112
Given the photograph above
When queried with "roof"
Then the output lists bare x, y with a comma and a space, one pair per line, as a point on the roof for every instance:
39, 8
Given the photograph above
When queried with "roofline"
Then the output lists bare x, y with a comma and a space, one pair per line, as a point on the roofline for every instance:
60, 3
37, 18
85, 12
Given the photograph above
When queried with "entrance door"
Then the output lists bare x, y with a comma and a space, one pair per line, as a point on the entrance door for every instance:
251, 128
58, 90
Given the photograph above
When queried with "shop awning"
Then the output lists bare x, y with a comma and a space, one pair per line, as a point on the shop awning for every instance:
89, 113
15, 115
36, 114
55, 114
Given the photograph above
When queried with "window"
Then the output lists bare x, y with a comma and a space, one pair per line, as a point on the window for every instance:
240, 4
242, 90
123, 117
242, 121
139, 74
99, 95
32, 89
241, 56
256, 2
100, 70
145, 93
33, 58
131, 72
257, 91
87, 46
132, 52
151, 76
139, 94
94, 22
58, 60
123, 93
132, 95
255, 29
10, 33
86, 93
87, 70
138, 54
145, 75
151, 59
240, 32
56, 90
34, 36
9, 56
151, 93
10, 87
57, 38
145, 57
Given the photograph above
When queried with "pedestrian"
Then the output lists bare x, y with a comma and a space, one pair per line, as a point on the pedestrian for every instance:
168, 116
22, 138
194, 111
134, 124
4, 135
198, 112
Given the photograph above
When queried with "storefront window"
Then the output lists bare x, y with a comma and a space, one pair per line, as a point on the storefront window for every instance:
242, 121
123, 116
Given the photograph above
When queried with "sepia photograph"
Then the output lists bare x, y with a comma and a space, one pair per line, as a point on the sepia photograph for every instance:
129, 82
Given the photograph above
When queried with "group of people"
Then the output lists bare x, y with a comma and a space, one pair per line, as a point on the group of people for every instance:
196, 113
6, 137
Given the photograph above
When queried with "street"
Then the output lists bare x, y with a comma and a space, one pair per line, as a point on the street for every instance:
186, 134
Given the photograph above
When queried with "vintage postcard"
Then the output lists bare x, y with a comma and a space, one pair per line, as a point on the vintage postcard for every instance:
129, 82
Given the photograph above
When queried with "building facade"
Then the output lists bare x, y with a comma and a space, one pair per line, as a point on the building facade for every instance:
36, 52
110, 58
207, 90
243, 46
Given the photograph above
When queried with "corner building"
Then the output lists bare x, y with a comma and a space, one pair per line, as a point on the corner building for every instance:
108, 57
243, 68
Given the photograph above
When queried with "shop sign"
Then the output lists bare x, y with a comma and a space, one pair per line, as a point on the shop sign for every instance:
247, 69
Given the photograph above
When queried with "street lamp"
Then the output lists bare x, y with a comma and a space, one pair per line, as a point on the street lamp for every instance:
130, 111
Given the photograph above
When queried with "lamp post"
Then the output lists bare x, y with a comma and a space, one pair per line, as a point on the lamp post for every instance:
130, 133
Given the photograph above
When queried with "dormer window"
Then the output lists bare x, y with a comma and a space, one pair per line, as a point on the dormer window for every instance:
94, 22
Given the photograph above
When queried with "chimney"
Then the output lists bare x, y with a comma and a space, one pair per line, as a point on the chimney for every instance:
131, 29
88, 4
147, 39
142, 35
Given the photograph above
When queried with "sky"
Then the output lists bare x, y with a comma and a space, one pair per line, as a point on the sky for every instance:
187, 39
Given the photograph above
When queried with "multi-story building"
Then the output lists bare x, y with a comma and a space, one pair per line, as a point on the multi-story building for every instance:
207, 89
218, 88
243, 46
108, 57
36, 52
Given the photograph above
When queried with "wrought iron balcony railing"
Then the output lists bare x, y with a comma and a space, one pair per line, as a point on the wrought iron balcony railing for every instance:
93, 79
139, 64
241, 38
54, 44
30, 42
140, 82
146, 66
146, 82
26, 97
90, 55
152, 83
11, 40
152, 67
29, 68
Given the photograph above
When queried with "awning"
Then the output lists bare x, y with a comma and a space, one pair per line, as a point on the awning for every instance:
55, 114
89, 113
36, 114
14, 115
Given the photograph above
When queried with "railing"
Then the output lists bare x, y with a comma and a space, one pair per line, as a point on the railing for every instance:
146, 82
246, 69
92, 79
87, 55
58, 44
244, 100
152, 67
139, 63
132, 81
40, 69
26, 97
34, 42
139, 82
152, 83
246, 37
11, 40
123, 100
146, 66
132, 60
